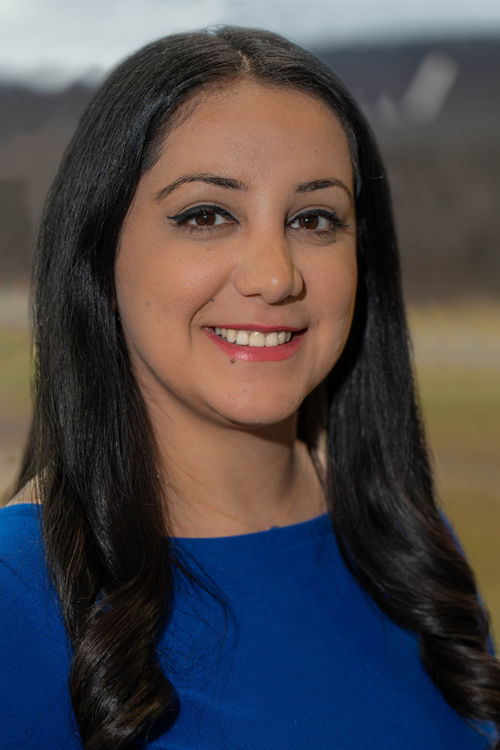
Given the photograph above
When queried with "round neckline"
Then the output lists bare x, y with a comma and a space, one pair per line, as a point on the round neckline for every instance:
253, 543
257, 542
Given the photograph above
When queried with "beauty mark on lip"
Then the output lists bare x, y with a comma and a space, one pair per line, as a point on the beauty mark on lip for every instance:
253, 343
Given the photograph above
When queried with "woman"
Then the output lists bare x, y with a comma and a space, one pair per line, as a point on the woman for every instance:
221, 358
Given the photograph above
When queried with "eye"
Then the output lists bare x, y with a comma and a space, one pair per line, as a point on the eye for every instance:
312, 221
200, 217
317, 220
206, 219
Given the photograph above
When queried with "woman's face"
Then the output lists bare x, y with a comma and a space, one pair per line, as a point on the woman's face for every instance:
246, 223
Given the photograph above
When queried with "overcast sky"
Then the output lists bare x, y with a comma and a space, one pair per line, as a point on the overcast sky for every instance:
51, 42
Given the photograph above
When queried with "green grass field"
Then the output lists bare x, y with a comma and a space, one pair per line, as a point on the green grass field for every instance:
14, 372
462, 415
458, 376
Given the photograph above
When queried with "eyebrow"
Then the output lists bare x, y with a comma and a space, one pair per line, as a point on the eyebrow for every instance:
209, 179
308, 187
229, 182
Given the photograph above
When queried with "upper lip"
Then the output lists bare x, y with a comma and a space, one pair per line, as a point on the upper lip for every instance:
258, 328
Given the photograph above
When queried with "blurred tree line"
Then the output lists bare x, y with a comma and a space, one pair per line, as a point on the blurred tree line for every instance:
435, 109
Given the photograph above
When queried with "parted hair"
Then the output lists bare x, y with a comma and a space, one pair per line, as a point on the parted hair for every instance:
91, 451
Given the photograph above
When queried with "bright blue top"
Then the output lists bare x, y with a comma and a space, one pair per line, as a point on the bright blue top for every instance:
307, 660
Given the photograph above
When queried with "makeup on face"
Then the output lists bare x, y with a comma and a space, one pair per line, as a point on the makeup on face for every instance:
239, 248
257, 343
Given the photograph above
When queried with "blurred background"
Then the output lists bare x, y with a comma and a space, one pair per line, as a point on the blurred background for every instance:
427, 75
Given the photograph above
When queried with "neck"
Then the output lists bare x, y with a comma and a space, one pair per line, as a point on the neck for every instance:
220, 480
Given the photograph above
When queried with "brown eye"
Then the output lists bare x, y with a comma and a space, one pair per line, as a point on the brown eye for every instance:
308, 222
313, 222
203, 217
205, 220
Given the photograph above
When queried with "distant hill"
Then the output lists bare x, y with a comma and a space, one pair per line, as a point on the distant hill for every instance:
445, 172
35, 128
435, 108
472, 106
24, 110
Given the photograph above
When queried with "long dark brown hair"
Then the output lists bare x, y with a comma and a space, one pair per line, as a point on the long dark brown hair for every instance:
91, 451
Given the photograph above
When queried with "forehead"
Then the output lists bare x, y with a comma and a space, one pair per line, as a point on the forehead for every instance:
251, 131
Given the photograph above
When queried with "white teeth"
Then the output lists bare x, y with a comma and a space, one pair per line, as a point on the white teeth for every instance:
253, 338
257, 339
242, 338
272, 339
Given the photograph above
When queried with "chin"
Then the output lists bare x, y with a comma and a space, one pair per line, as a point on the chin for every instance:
254, 414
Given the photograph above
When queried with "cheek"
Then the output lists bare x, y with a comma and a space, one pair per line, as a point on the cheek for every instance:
156, 307
340, 291
159, 283
335, 292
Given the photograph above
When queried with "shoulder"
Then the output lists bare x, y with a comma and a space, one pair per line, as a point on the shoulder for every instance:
20, 531
30, 618
34, 649
27, 594
21, 543
22, 565
24, 583
28, 494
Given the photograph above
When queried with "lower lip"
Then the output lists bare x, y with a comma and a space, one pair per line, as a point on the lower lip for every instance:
257, 353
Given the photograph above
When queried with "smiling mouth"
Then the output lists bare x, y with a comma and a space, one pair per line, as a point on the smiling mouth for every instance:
251, 337
257, 343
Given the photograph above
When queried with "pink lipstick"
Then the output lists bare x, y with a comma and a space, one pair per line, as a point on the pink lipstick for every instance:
255, 353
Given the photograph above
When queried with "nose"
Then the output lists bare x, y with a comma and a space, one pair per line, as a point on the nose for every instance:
267, 269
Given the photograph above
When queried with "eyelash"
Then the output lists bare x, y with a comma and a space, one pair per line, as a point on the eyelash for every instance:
181, 219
